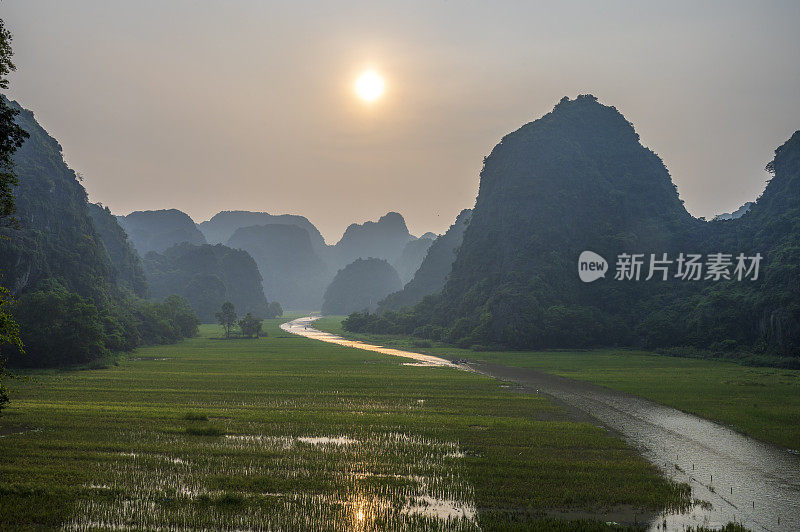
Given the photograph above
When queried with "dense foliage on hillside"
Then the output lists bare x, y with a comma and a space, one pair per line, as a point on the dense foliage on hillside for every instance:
207, 276
292, 272
360, 285
60, 327
74, 305
159, 230
763, 315
56, 238
11, 138
432, 273
124, 259
578, 179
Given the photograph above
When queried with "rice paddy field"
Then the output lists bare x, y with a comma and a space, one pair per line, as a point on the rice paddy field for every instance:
761, 402
287, 433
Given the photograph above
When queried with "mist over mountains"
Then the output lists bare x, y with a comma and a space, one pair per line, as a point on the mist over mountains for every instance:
222, 225
384, 239
159, 230
207, 276
504, 274
293, 272
432, 272
359, 286
579, 179
295, 263
413, 254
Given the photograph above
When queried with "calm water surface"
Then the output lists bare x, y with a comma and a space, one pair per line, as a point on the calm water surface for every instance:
744, 480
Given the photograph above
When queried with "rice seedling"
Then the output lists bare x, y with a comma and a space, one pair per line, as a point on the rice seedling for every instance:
288, 433
726, 392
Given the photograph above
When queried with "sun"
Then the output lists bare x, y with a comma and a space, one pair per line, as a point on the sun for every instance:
370, 86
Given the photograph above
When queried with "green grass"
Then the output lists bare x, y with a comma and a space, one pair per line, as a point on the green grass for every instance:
758, 401
297, 434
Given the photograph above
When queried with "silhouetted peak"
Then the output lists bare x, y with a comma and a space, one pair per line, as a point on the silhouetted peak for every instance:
393, 218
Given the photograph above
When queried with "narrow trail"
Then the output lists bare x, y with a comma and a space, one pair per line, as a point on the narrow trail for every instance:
745, 480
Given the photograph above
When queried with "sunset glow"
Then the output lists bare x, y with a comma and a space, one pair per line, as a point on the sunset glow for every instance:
370, 86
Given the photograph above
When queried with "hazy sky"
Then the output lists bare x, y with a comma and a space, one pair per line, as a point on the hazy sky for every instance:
207, 106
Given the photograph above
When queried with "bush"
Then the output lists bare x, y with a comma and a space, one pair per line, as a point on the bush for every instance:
250, 326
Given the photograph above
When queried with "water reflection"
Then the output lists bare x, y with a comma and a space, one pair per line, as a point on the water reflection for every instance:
733, 478
379, 481
302, 327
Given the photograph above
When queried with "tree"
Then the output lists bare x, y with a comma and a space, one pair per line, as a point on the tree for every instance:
182, 315
250, 326
9, 335
227, 317
274, 310
11, 137
61, 327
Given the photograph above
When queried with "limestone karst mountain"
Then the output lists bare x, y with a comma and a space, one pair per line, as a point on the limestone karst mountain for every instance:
292, 272
412, 256
57, 238
207, 276
76, 279
432, 272
222, 225
124, 259
579, 179
384, 239
360, 285
160, 229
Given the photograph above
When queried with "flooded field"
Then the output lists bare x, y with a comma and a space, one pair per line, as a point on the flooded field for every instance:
733, 478
382, 482
287, 433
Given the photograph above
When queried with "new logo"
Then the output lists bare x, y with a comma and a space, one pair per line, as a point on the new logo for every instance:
591, 266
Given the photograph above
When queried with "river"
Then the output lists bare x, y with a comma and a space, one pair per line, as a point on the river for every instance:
745, 480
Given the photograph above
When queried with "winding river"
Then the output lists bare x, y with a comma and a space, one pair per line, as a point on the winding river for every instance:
744, 480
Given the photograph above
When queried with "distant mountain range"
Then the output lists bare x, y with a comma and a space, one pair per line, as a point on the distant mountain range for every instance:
222, 225
738, 213
504, 274
293, 259
159, 230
